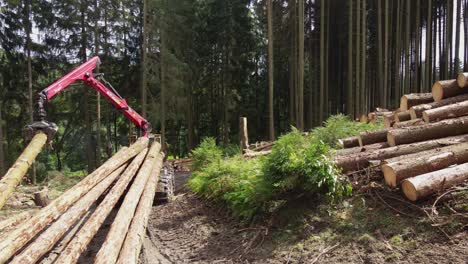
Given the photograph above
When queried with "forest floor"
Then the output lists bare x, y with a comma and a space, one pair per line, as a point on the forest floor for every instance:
373, 226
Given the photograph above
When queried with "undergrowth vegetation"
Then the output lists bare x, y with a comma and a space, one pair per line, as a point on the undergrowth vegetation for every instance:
299, 165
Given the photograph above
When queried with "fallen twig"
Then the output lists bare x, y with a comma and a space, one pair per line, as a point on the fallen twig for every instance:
326, 250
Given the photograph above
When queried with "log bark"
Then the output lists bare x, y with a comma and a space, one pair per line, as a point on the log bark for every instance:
349, 151
416, 111
110, 249
427, 184
15, 174
402, 116
445, 128
254, 154
47, 239
41, 198
462, 80
362, 160
389, 120
409, 123
446, 89
372, 137
425, 162
20, 236
14, 220
409, 100
131, 248
445, 112
349, 142
82, 239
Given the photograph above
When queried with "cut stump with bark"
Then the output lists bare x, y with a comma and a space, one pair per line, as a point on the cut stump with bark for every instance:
41, 198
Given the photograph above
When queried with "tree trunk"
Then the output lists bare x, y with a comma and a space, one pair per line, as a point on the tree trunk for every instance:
82, 239
47, 239
358, 103
144, 47
16, 173
417, 73
131, 248
427, 161
163, 89
457, 38
244, 134
446, 128
428, 59
362, 160
380, 63
350, 91
417, 111
14, 220
98, 95
386, 61
20, 236
409, 100
402, 116
445, 89
109, 251
363, 55
349, 142
300, 79
426, 184
322, 61
2, 153
271, 123
372, 137
407, 49
462, 80
446, 112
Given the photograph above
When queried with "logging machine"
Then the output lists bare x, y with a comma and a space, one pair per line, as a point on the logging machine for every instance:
82, 73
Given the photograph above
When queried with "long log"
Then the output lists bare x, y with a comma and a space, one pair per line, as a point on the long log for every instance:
349, 142
427, 161
14, 220
446, 112
416, 111
84, 236
62, 244
131, 248
409, 123
362, 160
47, 239
109, 251
409, 100
15, 174
372, 137
446, 89
402, 116
349, 151
462, 80
426, 184
20, 236
445, 128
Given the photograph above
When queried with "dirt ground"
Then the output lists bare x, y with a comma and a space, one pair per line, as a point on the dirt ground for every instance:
189, 230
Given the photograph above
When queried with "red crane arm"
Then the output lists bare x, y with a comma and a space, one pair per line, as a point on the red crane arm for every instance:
85, 73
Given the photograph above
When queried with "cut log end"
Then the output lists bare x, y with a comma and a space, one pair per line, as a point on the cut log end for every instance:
389, 175
462, 80
425, 117
409, 190
437, 92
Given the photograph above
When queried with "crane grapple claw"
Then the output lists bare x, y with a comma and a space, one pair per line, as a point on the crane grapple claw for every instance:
46, 127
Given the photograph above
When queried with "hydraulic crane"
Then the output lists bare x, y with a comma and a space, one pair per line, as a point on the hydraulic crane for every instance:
82, 73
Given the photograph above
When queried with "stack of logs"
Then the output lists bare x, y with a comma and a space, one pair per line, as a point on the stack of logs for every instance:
424, 146
62, 231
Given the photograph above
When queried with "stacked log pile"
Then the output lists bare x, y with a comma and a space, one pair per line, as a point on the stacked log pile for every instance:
424, 146
64, 228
